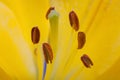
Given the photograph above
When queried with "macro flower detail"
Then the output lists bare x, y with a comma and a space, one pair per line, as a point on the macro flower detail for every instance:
59, 40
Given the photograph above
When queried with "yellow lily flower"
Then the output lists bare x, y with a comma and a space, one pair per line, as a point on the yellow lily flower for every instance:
23, 60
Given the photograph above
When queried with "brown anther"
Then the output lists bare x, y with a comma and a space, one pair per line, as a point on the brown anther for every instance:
74, 22
51, 8
48, 53
86, 61
81, 39
35, 35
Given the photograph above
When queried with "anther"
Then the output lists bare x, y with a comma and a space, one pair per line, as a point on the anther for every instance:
48, 53
49, 10
81, 39
86, 61
35, 35
74, 22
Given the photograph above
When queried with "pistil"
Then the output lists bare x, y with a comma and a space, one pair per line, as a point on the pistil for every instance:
53, 17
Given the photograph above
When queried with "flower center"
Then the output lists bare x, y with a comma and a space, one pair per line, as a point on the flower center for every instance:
50, 48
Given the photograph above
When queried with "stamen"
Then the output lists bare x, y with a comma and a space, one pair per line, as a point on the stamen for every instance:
74, 20
48, 54
81, 39
86, 61
48, 12
35, 35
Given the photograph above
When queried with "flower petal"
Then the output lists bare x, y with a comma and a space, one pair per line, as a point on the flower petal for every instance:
4, 75
16, 58
112, 73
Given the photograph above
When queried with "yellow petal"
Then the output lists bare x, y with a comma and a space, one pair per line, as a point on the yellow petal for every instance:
112, 73
16, 58
4, 75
